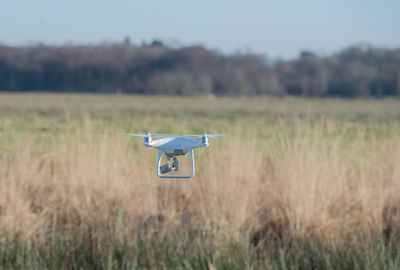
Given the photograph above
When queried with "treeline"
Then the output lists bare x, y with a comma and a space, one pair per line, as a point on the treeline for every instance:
158, 69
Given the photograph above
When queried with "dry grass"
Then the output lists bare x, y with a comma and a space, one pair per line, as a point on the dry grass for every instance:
321, 177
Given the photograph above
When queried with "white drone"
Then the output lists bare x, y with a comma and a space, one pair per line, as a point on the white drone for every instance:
174, 146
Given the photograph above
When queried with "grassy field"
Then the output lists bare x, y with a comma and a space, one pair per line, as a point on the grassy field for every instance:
298, 184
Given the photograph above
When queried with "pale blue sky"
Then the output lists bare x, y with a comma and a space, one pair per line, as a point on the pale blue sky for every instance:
275, 28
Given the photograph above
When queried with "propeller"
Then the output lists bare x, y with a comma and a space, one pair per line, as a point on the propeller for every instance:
155, 135
208, 135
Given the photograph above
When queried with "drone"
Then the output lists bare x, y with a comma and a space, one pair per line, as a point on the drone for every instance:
173, 146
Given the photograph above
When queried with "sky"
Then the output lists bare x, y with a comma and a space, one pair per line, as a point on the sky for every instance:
277, 29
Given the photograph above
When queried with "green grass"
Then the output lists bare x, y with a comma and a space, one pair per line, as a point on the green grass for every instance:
101, 233
175, 249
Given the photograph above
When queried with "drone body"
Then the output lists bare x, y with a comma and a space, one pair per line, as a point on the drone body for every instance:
173, 146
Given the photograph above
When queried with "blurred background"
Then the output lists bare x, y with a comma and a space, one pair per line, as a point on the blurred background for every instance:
303, 48
308, 91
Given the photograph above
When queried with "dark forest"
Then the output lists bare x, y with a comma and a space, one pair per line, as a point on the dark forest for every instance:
155, 68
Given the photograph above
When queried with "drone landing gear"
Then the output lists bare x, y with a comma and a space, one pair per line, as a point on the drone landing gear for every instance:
174, 166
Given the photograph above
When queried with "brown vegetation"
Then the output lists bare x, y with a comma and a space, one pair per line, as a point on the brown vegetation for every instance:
311, 183
292, 170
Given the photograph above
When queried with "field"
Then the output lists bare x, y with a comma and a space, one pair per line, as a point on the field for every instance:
298, 184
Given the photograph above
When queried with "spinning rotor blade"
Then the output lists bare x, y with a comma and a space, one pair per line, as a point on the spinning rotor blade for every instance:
215, 135
208, 135
136, 135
